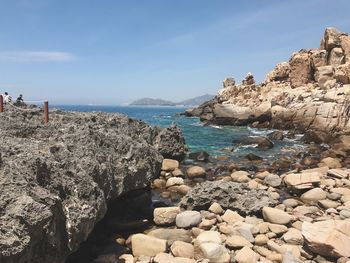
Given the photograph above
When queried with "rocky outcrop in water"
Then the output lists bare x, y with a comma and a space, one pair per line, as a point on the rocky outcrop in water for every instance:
310, 92
57, 179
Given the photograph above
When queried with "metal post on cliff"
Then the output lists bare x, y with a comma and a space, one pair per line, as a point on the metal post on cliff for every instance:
46, 112
1, 103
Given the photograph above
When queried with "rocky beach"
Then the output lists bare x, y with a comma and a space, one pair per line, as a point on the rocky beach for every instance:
88, 178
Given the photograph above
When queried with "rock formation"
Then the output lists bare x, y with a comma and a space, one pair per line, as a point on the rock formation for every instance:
57, 179
310, 92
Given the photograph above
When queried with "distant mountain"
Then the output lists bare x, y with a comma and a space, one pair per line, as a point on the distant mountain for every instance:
196, 101
159, 102
154, 102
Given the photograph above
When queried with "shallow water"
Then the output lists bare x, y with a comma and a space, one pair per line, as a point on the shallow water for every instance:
216, 140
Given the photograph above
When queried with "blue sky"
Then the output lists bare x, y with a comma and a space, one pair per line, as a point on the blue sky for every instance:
113, 51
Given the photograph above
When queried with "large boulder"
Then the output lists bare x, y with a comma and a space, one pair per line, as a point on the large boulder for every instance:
279, 73
328, 238
318, 58
331, 38
57, 179
345, 45
235, 196
300, 69
336, 56
229, 82
324, 74
260, 142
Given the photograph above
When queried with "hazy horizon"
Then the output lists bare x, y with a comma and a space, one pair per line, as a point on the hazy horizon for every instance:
112, 53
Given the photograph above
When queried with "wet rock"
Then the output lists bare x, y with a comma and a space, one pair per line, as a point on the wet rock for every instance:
165, 215
147, 245
276, 135
196, 171
259, 142
232, 217
276, 216
199, 156
188, 219
328, 238
230, 195
253, 157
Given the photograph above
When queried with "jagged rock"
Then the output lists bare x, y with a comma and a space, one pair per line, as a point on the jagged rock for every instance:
230, 195
342, 73
171, 143
300, 69
318, 58
57, 178
229, 82
261, 142
331, 38
276, 135
336, 57
328, 238
279, 73
249, 79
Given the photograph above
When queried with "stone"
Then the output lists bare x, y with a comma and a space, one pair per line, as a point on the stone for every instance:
300, 69
261, 240
195, 171
276, 135
127, 258
273, 180
246, 201
323, 74
177, 173
169, 165
240, 177
57, 179
159, 183
345, 45
163, 258
182, 249
328, 238
199, 156
165, 215
288, 257
331, 38
326, 204
331, 163
172, 181
215, 252
278, 229
336, 56
290, 202
229, 82
302, 180
318, 58
171, 235
342, 73
232, 217
216, 208
188, 219
279, 73
276, 216
314, 195
294, 237
246, 255
260, 142
237, 242
147, 246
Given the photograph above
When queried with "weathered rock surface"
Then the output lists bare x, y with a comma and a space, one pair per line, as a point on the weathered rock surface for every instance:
230, 195
328, 238
56, 179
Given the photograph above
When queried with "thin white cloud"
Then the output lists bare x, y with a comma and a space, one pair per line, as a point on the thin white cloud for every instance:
36, 56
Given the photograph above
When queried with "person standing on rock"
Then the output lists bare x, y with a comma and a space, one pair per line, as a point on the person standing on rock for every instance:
7, 98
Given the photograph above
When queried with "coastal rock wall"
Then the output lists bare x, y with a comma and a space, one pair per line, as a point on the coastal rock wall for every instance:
57, 179
309, 92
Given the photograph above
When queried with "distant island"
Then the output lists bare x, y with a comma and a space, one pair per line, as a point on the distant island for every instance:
160, 102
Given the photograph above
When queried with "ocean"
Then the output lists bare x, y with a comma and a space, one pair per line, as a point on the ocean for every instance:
216, 140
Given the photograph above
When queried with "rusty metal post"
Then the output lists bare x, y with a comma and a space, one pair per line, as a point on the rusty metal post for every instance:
1, 103
46, 112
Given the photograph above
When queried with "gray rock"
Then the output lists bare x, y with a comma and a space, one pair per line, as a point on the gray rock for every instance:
229, 195
188, 219
56, 179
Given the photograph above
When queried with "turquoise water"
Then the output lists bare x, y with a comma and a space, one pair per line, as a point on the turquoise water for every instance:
216, 140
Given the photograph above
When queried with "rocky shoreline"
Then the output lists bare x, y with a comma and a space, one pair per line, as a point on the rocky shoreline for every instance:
309, 93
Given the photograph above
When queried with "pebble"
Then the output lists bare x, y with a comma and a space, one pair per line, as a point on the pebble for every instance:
276, 216
240, 177
188, 219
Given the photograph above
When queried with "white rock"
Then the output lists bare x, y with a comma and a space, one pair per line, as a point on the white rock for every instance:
188, 219
165, 215
146, 245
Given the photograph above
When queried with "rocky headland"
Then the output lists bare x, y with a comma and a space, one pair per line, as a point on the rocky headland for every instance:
309, 93
57, 180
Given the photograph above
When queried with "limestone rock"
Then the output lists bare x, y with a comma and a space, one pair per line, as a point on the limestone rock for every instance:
314, 195
294, 237
165, 215
246, 201
235, 242
171, 235
302, 180
328, 238
276, 216
232, 217
216, 208
147, 245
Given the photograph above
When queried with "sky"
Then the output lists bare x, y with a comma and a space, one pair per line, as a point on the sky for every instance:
113, 51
